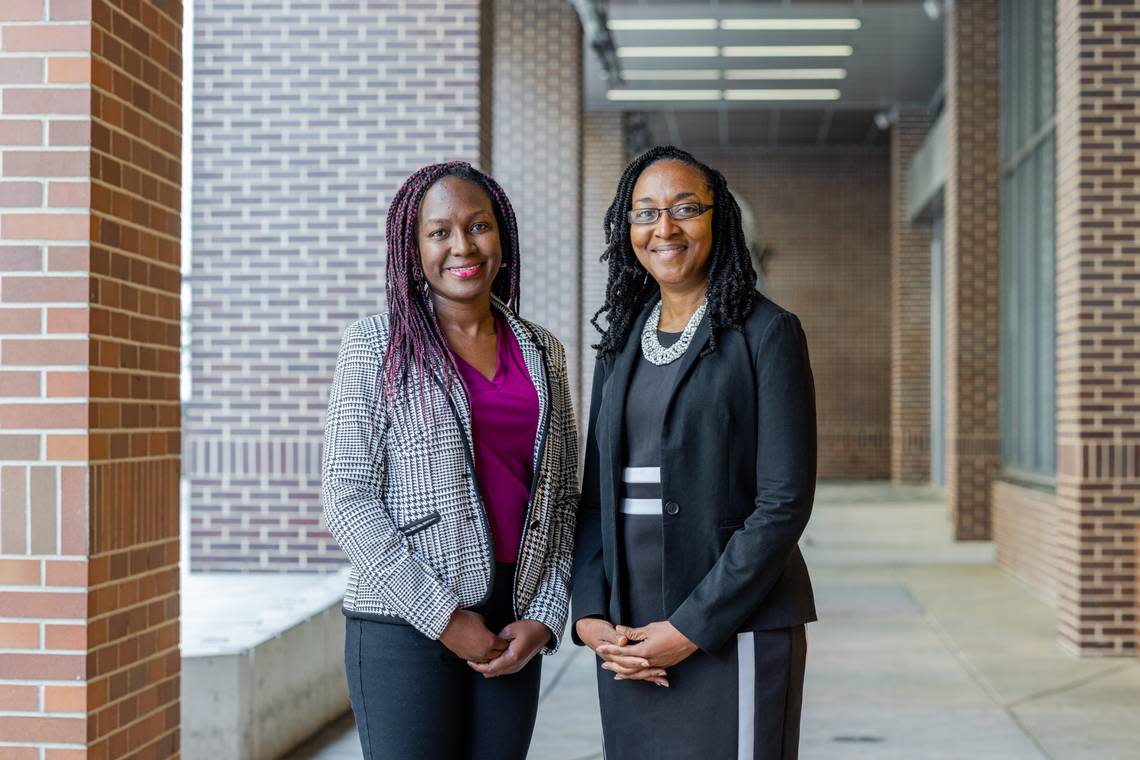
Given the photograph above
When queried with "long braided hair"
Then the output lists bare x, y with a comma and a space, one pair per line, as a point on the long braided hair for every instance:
732, 280
415, 342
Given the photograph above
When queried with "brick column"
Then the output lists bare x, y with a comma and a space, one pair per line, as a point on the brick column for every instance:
90, 136
910, 312
1098, 287
603, 159
307, 119
972, 263
537, 156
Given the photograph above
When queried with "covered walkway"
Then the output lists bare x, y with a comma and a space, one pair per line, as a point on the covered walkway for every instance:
924, 649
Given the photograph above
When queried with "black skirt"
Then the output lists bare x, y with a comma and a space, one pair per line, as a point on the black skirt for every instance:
742, 701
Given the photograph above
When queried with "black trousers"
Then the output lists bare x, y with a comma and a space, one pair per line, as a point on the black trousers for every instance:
415, 700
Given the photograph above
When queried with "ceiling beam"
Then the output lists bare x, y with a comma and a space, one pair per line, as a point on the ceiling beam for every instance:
722, 125
672, 128
824, 127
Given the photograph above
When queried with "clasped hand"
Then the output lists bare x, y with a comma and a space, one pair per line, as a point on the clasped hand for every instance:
493, 655
636, 654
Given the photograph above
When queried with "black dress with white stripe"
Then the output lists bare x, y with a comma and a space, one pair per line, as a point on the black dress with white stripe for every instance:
729, 704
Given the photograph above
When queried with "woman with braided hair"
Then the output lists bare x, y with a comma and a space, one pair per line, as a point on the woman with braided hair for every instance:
449, 479
699, 479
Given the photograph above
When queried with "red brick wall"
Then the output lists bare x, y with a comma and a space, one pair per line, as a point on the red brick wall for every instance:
136, 147
1098, 330
89, 252
291, 185
972, 264
603, 159
910, 312
44, 345
826, 215
536, 149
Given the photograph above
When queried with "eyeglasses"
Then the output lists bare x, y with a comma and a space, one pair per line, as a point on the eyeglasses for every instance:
677, 213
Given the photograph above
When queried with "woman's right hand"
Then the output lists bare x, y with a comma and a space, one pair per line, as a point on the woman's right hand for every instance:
595, 632
468, 637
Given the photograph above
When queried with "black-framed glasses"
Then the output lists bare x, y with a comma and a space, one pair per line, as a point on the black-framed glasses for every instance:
677, 213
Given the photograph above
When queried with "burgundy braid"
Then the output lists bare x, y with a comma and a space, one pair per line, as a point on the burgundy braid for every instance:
416, 343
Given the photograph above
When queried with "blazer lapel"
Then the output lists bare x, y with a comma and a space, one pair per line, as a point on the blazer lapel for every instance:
613, 403
690, 357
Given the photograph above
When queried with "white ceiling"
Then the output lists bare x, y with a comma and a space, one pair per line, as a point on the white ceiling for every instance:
896, 60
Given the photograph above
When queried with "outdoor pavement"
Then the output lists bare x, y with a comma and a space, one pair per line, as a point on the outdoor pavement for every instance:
924, 651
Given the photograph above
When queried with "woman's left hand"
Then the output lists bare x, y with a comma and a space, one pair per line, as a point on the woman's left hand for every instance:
659, 643
526, 637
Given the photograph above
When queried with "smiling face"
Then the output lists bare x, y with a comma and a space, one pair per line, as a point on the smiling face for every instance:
675, 253
458, 239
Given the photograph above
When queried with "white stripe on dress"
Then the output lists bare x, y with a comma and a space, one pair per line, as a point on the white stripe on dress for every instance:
641, 475
640, 506
746, 696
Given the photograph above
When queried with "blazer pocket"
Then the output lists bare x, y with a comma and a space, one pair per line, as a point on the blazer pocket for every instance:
726, 530
415, 526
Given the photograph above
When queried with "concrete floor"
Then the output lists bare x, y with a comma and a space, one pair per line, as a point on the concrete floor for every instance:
924, 651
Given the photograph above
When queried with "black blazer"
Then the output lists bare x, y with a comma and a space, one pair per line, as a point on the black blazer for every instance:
738, 460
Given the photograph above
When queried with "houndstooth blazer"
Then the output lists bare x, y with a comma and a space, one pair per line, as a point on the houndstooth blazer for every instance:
399, 493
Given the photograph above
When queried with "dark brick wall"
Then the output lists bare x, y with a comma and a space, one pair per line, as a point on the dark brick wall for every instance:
305, 122
825, 213
1098, 325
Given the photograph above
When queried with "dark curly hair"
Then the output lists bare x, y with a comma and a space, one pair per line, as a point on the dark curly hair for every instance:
732, 280
416, 342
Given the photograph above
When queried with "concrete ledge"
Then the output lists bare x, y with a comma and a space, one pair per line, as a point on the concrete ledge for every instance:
262, 662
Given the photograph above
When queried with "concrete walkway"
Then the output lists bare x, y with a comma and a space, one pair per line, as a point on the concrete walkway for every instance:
924, 651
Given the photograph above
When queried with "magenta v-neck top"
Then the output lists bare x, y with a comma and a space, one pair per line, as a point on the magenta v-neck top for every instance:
504, 423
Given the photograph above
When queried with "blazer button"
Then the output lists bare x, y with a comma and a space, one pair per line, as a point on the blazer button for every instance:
672, 507
534, 525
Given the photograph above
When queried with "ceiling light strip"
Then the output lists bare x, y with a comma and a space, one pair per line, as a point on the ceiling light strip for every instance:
790, 24
736, 51
785, 74
676, 51
822, 94
669, 74
706, 95
662, 25
664, 94
785, 51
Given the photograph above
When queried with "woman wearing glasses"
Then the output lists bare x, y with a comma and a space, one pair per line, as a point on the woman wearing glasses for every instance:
699, 480
450, 480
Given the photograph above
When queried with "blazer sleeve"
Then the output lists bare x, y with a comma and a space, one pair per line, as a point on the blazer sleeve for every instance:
757, 553
352, 474
551, 602
591, 591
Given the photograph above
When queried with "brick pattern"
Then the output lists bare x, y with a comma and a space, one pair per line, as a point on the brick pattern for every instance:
972, 264
45, 123
536, 156
133, 662
833, 270
89, 194
1026, 530
306, 121
603, 159
910, 312
1098, 289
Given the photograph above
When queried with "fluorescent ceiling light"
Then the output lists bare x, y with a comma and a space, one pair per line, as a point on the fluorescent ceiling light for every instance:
663, 94
784, 24
785, 74
675, 51
667, 74
781, 94
661, 24
780, 51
